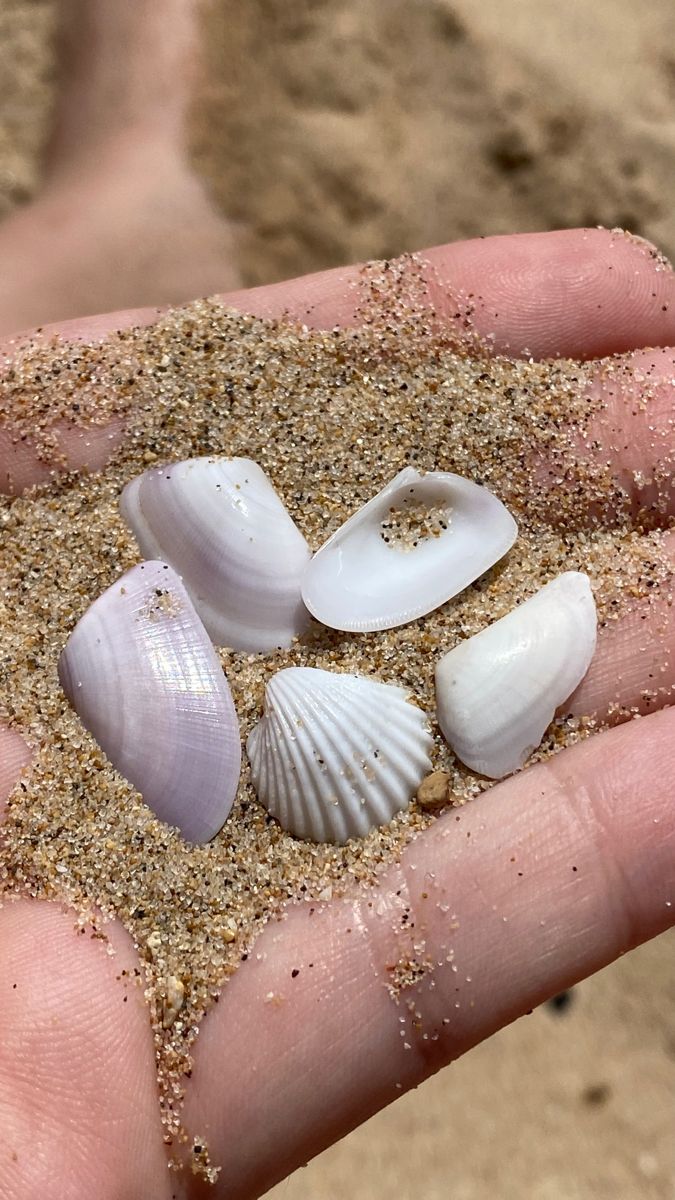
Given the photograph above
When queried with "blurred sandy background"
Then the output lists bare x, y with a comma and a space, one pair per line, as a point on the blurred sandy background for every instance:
333, 130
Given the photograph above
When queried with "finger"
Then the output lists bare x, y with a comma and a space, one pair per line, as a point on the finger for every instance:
77, 329
633, 668
542, 881
78, 1100
590, 291
14, 756
631, 433
576, 293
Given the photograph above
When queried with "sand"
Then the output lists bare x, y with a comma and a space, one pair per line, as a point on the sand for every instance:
348, 409
338, 130
350, 130
517, 115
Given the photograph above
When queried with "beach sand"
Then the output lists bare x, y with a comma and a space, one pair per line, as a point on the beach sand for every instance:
343, 130
497, 124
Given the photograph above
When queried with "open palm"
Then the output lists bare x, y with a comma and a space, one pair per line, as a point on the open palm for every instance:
546, 878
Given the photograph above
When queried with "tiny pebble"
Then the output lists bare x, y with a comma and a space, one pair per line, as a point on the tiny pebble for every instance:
433, 792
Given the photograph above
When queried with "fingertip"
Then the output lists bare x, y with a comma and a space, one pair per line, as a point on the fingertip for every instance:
633, 668
15, 756
578, 293
632, 428
78, 1100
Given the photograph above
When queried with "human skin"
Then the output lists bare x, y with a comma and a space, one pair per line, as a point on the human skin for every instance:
546, 878
121, 218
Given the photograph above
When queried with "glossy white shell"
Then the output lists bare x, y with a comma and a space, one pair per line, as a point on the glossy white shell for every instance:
335, 755
365, 577
142, 674
221, 525
497, 692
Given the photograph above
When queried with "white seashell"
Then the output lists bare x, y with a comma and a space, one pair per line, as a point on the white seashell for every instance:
144, 679
221, 525
419, 542
336, 755
497, 692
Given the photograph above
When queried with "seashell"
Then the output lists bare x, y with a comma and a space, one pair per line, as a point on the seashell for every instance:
335, 755
420, 541
221, 525
144, 679
497, 692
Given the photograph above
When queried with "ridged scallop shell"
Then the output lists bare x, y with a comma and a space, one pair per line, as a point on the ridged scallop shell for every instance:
419, 542
336, 755
221, 525
497, 692
142, 675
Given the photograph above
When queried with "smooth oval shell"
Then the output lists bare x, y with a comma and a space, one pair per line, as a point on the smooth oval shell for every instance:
221, 524
415, 545
335, 755
142, 675
497, 692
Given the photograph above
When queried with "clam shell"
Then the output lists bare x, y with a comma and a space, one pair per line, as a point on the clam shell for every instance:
497, 692
419, 542
221, 525
142, 675
335, 755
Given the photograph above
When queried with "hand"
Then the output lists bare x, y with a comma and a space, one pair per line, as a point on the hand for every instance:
541, 881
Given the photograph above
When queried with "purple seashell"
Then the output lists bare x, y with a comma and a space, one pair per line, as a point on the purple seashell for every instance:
142, 675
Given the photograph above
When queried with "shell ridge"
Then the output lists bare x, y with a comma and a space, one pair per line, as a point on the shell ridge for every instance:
313, 804
312, 695
315, 712
412, 722
280, 800
289, 755
291, 737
